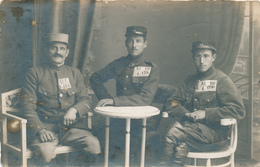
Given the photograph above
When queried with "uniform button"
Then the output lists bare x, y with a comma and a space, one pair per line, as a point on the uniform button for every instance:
73, 92
195, 109
208, 100
195, 100
126, 76
61, 95
124, 88
46, 117
45, 93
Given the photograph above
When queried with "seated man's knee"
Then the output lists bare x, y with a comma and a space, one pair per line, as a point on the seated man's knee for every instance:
174, 129
45, 150
93, 145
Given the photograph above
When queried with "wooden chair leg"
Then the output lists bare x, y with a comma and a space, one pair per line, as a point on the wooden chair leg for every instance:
194, 161
208, 164
5, 158
232, 160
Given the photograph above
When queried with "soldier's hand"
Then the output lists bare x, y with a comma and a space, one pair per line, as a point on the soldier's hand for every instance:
70, 117
198, 115
105, 102
46, 135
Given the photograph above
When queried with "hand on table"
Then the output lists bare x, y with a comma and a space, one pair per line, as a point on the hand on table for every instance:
105, 102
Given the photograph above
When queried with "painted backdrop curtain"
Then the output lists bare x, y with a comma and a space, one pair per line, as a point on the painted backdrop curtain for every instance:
172, 27
97, 30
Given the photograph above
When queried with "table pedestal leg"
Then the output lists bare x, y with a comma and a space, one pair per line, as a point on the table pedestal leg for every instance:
106, 142
143, 143
127, 142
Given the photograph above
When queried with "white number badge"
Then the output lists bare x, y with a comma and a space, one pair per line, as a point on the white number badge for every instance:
207, 85
64, 83
141, 71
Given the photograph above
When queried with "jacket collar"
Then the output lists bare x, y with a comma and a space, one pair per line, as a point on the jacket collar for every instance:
55, 67
135, 61
210, 72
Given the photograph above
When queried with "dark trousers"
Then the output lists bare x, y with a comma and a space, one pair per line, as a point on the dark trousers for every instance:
79, 138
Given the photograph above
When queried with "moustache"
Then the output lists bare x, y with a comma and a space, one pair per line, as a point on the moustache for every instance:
57, 55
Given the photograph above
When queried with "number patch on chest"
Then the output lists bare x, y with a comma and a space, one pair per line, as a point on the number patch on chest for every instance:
142, 71
64, 83
207, 85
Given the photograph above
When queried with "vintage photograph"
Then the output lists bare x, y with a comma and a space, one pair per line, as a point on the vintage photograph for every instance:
154, 83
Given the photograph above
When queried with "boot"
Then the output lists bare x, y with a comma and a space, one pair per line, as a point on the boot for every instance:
181, 153
173, 137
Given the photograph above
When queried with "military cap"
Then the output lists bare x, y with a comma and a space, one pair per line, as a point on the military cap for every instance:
136, 30
203, 45
58, 37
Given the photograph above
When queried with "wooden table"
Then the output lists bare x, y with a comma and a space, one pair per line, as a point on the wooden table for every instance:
128, 113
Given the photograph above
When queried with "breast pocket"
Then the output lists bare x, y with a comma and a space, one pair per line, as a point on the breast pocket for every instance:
45, 92
208, 99
72, 91
139, 80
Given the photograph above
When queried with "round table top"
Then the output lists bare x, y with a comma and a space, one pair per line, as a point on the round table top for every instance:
133, 112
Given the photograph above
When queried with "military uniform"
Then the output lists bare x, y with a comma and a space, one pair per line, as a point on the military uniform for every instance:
211, 91
48, 93
136, 81
136, 85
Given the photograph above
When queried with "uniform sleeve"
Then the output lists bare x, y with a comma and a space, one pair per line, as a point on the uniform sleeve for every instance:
174, 105
231, 104
145, 96
28, 102
98, 79
83, 99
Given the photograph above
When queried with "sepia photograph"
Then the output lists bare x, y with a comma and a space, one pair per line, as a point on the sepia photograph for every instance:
156, 83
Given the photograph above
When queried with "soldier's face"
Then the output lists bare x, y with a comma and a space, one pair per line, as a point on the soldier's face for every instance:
203, 59
58, 53
135, 45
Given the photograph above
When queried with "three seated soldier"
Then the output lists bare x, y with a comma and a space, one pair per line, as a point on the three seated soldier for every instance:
55, 99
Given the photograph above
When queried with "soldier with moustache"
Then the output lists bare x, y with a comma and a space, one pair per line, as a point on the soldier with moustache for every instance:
54, 103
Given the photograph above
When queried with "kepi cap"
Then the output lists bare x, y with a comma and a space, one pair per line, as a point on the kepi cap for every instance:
136, 30
58, 37
203, 45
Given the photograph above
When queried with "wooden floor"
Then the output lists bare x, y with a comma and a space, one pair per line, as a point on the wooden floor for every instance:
239, 161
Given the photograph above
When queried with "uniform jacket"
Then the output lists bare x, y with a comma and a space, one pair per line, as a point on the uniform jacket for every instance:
49, 91
213, 92
136, 81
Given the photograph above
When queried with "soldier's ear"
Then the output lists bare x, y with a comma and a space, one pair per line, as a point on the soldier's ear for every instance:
145, 43
67, 52
214, 56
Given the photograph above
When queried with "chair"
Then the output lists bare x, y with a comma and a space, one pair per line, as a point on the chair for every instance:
228, 150
13, 124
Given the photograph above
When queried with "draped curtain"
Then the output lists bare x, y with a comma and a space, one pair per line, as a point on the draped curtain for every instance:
174, 25
71, 17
